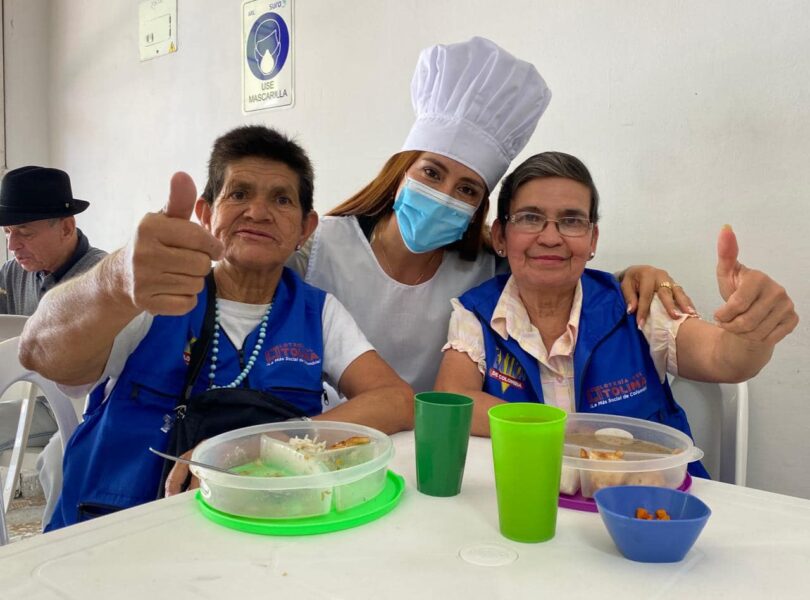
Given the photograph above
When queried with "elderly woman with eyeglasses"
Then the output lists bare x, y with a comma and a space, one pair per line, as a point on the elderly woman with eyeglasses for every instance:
558, 333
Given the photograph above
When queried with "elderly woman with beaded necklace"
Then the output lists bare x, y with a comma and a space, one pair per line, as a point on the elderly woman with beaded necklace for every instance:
142, 315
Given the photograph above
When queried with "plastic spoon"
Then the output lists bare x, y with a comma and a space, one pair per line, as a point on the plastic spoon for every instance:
192, 462
620, 436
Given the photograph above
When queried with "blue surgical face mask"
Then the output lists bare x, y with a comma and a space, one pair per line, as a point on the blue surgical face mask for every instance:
429, 219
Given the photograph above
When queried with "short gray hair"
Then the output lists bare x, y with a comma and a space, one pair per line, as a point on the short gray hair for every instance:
547, 164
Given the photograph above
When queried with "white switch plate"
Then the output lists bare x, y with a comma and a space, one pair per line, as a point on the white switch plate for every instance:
157, 28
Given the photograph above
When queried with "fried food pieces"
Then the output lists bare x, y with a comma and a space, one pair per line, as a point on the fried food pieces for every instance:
660, 515
355, 440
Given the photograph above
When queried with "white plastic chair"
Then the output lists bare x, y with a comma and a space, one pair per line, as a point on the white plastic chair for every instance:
11, 326
718, 415
11, 371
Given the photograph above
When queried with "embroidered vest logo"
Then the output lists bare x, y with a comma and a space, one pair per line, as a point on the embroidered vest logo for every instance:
614, 391
292, 352
508, 371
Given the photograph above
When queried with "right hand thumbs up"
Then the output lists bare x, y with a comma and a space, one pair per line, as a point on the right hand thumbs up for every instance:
182, 196
170, 255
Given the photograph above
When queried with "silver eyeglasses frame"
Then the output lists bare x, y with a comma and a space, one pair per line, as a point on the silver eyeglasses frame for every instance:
540, 228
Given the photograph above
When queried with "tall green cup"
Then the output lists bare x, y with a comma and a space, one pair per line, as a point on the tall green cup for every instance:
527, 450
442, 431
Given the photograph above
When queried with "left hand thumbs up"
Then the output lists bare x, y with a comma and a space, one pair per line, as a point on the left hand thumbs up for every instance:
757, 308
729, 269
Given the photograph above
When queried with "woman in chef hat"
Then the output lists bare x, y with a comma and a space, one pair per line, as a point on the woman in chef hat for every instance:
397, 251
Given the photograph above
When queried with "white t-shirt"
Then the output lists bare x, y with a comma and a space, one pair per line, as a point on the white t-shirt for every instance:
343, 341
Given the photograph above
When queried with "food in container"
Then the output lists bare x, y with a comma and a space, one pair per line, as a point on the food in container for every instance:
293, 469
609, 450
657, 540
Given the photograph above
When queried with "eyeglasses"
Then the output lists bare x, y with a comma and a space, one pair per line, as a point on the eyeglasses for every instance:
532, 222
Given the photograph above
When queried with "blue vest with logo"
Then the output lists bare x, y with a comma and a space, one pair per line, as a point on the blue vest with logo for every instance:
613, 370
107, 463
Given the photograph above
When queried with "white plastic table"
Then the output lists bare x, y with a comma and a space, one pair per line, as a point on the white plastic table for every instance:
756, 545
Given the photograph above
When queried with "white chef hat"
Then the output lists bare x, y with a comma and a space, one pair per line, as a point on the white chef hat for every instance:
475, 103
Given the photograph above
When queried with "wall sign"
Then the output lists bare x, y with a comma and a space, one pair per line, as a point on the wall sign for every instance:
267, 54
157, 28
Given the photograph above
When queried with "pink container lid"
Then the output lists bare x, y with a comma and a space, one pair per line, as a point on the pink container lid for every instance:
579, 502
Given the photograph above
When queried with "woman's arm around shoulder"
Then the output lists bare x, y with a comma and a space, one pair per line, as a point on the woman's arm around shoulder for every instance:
641, 283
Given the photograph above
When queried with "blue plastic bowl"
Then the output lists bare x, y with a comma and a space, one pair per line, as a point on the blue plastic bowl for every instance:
651, 541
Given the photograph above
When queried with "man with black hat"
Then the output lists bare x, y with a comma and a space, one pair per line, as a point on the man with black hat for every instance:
36, 213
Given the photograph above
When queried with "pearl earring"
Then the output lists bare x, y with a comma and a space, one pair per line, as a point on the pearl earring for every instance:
298, 247
592, 254
501, 252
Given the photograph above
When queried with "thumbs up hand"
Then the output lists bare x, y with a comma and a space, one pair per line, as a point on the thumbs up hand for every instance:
169, 256
757, 308
729, 269
182, 196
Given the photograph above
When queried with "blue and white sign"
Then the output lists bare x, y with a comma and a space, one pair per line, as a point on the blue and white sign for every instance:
267, 54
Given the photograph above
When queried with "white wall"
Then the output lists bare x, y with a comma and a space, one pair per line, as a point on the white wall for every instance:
26, 43
691, 114
25, 49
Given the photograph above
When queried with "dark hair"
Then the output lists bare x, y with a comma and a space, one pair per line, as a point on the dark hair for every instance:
547, 164
376, 200
260, 142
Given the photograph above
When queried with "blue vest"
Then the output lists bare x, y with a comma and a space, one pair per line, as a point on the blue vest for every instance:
107, 463
613, 370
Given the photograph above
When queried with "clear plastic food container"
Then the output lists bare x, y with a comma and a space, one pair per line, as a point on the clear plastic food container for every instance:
275, 478
607, 450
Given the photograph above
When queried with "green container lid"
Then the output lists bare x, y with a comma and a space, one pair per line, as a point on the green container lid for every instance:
373, 509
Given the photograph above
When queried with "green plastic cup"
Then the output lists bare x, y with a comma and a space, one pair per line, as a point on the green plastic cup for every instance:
442, 431
527, 451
